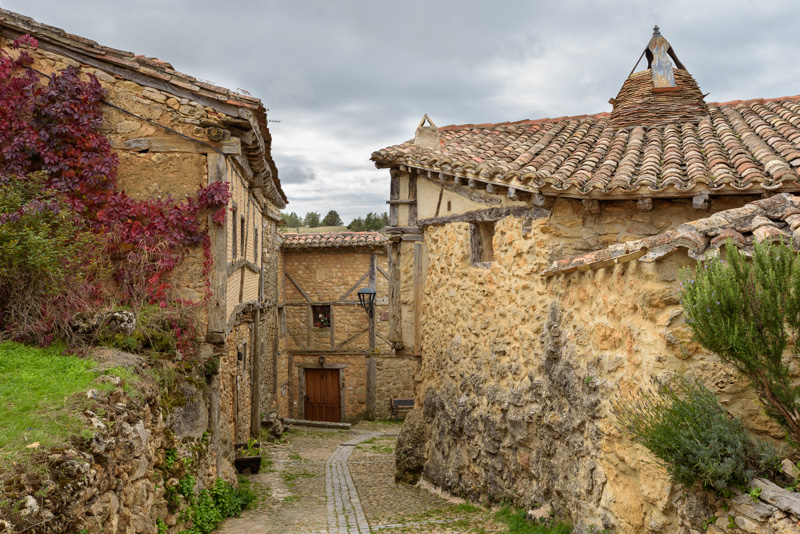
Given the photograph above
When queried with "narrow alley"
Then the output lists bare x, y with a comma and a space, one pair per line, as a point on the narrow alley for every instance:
326, 481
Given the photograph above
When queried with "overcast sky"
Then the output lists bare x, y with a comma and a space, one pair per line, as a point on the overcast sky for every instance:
345, 78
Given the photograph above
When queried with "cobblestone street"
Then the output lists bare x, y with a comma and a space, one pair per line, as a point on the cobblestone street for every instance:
341, 482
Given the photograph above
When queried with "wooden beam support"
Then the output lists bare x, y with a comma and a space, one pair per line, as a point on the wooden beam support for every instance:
394, 194
174, 143
404, 230
218, 305
490, 214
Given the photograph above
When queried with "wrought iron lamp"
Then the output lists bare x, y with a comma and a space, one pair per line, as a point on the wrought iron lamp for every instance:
366, 297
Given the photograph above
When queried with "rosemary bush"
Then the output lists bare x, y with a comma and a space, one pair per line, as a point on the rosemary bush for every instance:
692, 436
747, 313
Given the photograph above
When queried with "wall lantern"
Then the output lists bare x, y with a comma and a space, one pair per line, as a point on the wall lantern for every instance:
322, 361
366, 297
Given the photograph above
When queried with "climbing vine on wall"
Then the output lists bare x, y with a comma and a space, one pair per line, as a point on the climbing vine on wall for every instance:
53, 125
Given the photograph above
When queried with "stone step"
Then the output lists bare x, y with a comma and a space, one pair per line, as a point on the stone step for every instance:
317, 424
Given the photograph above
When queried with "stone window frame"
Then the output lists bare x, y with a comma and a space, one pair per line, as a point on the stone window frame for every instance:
481, 235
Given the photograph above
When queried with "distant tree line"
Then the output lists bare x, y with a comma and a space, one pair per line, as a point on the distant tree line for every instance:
373, 222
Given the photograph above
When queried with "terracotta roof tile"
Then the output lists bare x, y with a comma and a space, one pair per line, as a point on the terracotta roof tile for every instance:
333, 240
772, 219
654, 143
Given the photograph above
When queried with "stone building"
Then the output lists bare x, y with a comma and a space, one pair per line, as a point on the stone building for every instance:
535, 270
174, 134
335, 361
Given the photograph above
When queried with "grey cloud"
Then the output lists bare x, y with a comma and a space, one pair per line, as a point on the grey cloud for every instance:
292, 174
356, 75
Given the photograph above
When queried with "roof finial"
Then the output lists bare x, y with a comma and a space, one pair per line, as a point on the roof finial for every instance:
427, 136
655, 30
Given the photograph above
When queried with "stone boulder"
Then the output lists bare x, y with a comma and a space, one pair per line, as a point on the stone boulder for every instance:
273, 423
410, 451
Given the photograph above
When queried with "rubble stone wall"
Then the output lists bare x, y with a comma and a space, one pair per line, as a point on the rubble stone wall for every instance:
518, 370
394, 380
118, 481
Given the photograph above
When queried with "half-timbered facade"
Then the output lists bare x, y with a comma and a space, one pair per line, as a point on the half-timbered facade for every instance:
336, 362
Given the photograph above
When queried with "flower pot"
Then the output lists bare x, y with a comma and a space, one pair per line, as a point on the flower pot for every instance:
243, 463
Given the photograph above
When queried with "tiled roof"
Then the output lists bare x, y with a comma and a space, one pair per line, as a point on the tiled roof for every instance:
159, 74
772, 219
750, 146
333, 240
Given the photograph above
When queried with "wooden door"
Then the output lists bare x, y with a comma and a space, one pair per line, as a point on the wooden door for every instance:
322, 395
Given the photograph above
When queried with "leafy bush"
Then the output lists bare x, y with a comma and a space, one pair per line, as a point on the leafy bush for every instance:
215, 504
683, 424
518, 523
50, 262
747, 313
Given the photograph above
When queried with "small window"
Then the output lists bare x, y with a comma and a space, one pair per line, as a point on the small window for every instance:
481, 236
255, 244
322, 316
244, 243
449, 206
235, 234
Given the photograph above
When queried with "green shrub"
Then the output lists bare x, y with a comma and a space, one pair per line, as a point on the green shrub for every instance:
50, 262
518, 523
683, 424
747, 312
229, 500
205, 515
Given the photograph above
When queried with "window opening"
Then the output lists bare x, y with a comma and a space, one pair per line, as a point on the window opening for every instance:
322, 316
481, 236
244, 243
255, 244
235, 235
448, 206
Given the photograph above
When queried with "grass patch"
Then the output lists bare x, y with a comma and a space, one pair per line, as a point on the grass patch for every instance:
517, 522
38, 390
290, 478
383, 449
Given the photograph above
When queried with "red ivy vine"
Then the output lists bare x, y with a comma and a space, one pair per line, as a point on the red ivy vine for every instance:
55, 127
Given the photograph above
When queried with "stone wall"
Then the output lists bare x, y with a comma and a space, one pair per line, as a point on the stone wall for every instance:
518, 370
394, 379
117, 481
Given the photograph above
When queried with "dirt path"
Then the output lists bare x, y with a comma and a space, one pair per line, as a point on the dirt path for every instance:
342, 482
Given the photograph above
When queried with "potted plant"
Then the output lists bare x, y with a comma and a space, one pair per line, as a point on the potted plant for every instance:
248, 456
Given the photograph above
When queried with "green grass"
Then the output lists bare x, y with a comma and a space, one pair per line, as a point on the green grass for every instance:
518, 523
38, 390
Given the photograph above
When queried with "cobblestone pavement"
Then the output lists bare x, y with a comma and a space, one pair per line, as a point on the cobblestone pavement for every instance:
319, 481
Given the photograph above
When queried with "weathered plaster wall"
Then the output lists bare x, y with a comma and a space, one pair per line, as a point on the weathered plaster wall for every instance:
518, 370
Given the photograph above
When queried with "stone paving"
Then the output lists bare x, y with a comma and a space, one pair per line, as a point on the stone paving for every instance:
320, 481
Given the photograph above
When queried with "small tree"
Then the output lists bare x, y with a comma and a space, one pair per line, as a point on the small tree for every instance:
356, 225
332, 219
747, 313
312, 219
292, 220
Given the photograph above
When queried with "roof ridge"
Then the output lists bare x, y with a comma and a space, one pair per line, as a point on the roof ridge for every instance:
793, 98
